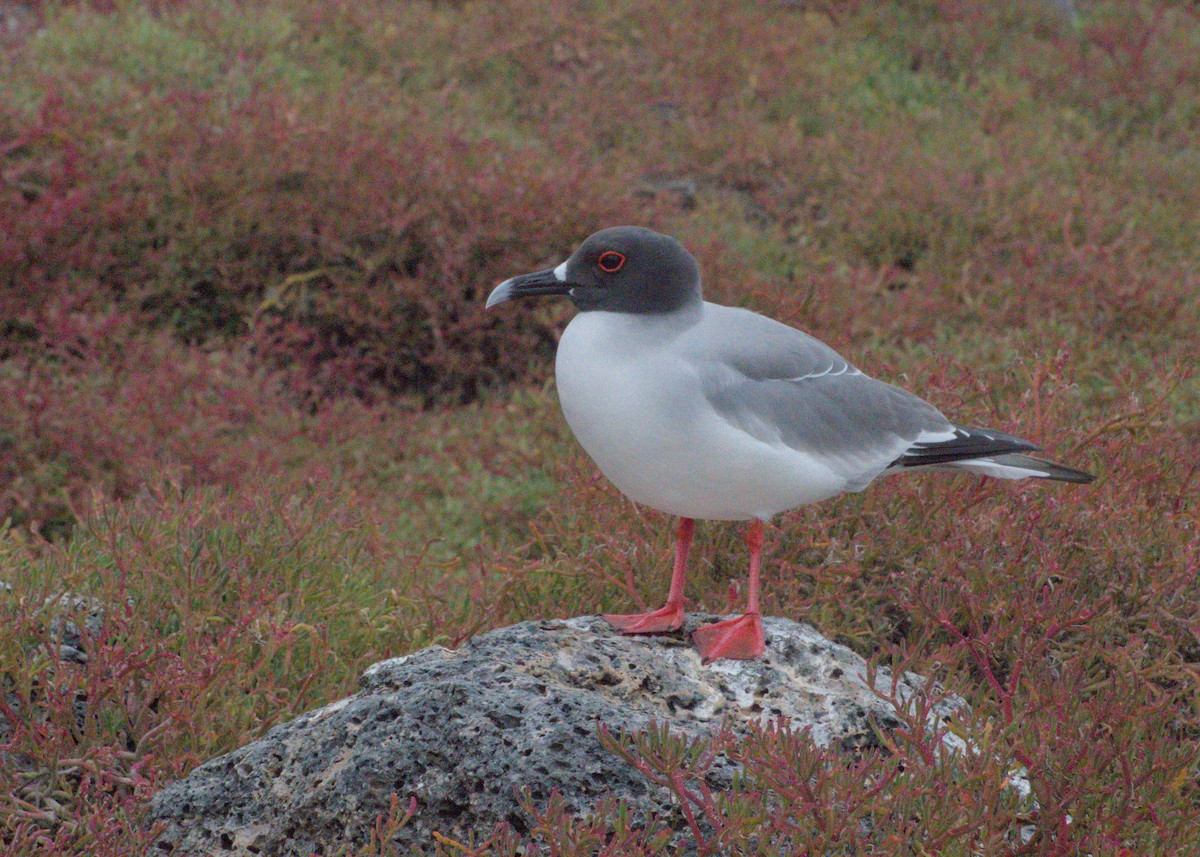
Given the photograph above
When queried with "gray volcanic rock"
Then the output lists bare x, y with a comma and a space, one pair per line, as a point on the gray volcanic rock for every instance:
463, 731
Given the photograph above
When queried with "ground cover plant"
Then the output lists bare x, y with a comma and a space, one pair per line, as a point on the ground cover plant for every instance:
258, 432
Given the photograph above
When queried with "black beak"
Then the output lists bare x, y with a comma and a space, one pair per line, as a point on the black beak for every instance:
540, 283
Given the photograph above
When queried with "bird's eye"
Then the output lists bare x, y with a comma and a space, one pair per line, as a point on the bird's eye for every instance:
610, 261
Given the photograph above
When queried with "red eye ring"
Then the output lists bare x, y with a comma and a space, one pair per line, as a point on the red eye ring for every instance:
610, 261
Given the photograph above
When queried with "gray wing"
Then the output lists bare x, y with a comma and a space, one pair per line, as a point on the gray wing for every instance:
781, 385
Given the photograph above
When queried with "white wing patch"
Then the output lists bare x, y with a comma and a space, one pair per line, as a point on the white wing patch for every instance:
926, 436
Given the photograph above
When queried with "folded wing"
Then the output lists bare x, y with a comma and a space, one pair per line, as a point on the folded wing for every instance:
785, 387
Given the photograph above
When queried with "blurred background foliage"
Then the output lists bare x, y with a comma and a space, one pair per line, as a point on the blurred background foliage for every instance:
256, 416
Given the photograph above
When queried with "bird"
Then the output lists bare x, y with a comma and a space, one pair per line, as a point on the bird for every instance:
710, 412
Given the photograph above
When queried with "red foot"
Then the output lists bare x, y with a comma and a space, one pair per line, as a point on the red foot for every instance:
741, 639
667, 618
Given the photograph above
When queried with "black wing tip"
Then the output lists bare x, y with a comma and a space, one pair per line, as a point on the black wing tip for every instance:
972, 443
969, 442
999, 438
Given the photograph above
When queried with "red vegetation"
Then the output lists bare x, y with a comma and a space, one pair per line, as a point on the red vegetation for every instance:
252, 402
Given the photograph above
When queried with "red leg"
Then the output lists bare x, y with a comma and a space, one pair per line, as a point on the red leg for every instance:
741, 638
669, 617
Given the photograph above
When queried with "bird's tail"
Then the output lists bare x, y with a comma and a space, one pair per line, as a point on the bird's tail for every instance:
1019, 466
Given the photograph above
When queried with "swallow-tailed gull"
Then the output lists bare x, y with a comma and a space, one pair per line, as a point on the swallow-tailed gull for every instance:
707, 411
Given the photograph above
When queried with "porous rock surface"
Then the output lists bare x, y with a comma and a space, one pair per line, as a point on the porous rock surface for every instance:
463, 731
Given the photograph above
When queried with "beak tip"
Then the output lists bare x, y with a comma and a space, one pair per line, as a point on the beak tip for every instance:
499, 294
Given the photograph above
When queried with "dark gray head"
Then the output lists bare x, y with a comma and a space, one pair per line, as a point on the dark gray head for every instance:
622, 269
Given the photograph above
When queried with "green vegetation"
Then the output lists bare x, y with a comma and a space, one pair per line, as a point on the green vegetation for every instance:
255, 410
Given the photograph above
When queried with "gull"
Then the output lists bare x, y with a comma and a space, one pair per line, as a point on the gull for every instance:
711, 412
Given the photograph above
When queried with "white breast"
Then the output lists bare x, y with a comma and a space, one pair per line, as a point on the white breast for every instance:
630, 390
